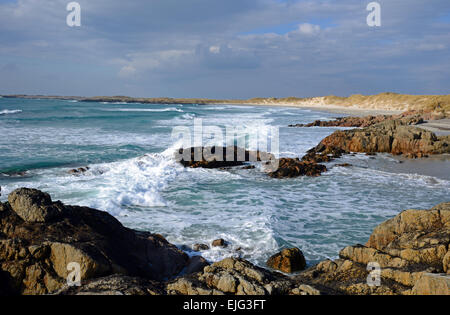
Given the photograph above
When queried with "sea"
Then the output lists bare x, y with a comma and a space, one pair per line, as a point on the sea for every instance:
134, 176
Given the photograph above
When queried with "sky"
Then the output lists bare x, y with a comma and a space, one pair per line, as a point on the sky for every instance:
224, 48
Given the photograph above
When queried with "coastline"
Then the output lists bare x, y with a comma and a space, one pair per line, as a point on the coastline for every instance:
325, 278
383, 103
373, 105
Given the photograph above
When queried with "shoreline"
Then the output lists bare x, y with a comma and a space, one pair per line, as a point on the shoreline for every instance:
383, 103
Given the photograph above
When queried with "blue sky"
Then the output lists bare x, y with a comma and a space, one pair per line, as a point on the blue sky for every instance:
224, 48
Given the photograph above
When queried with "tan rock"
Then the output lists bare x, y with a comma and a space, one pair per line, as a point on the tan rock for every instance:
63, 254
288, 260
32, 205
432, 284
446, 263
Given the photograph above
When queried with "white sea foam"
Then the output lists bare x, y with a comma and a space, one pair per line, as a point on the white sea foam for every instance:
10, 112
246, 208
170, 109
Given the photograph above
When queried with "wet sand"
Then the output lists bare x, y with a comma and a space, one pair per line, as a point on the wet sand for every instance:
435, 166
439, 127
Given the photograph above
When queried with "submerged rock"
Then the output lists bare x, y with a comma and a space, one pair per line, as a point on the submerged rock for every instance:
79, 171
200, 247
219, 243
288, 261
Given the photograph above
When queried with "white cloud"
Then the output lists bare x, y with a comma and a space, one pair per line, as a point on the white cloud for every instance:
214, 49
308, 29
127, 71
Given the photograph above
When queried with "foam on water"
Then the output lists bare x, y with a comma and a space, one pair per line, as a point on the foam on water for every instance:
146, 189
10, 112
171, 109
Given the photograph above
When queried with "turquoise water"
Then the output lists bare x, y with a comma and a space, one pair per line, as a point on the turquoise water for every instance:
133, 176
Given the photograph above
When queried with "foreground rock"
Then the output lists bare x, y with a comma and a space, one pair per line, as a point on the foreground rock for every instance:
115, 285
39, 238
412, 251
288, 260
388, 137
234, 276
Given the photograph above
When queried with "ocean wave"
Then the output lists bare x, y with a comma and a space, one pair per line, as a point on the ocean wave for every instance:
170, 109
10, 112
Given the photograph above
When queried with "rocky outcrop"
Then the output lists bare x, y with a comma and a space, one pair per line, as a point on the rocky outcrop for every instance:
323, 154
115, 285
407, 118
288, 260
219, 157
411, 251
33, 206
391, 136
346, 122
216, 157
289, 168
39, 238
234, 276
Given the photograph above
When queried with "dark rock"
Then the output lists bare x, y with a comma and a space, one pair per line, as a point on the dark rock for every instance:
288, 260
219, 243
34, 254
115, 285
79, 171
217, 157
289, 168
196, 264
323, 154
200, 247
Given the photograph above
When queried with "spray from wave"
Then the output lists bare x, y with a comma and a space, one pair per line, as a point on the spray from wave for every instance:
10, 112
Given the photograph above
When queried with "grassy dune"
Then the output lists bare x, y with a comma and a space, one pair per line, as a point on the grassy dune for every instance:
386, 101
